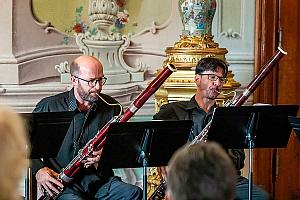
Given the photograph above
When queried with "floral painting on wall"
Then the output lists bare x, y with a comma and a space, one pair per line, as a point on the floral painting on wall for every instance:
71, 16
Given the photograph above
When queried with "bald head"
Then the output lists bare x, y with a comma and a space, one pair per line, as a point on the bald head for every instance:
84, 71
85, 63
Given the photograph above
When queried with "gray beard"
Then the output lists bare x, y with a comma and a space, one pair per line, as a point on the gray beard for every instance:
211, 95
86, 96
211, 98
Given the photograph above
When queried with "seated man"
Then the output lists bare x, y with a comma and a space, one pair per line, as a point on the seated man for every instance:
92, 110
210, 75
202, 171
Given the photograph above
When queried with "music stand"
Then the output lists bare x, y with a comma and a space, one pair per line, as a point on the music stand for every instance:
252, 127
143, 144
46, 132
295, 123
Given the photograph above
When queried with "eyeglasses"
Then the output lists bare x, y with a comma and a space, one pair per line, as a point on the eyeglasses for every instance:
93, 82
214, 77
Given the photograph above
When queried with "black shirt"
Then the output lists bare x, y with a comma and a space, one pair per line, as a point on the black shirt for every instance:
190, 110
84, 127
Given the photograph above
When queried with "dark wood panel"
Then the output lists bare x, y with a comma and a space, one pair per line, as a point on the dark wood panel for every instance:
265, 45
287, 182
278, 170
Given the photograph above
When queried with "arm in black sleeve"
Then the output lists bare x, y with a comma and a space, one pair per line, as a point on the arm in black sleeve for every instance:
238, 157
166, 112
37, 164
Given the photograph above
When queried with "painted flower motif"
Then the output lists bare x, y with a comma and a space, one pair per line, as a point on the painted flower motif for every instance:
121, 3
123, 17
77, 28
80, 28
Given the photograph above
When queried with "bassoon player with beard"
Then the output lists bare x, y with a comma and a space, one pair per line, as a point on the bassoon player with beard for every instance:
210, 75
91, 114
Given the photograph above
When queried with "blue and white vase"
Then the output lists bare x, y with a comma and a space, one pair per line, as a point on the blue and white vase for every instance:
197, 16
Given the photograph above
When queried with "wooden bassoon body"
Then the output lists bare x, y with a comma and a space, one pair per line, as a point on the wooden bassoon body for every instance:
68, 173
159, 193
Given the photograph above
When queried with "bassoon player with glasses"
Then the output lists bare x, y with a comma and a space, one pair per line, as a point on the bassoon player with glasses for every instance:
75, 173
210, 75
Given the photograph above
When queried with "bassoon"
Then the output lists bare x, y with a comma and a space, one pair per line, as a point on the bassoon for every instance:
159, 193
68, 173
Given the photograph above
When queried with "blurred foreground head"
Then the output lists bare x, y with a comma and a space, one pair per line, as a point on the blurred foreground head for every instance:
202, 171
13, 152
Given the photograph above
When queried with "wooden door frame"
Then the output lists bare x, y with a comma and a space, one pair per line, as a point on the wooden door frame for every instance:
278, 170
266, 42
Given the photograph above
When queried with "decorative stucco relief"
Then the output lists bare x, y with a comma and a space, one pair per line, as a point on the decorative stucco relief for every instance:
46, 25
148, 46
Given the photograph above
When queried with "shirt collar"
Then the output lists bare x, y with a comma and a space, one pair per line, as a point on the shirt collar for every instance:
192, 104
72, 101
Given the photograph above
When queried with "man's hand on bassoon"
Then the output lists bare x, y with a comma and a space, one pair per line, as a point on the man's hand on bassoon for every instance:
46, 180
93, 159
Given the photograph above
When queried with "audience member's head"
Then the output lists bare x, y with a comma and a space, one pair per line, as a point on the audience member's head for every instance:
201, 171
13, 153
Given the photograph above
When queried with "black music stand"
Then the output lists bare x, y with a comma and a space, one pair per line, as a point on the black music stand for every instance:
143, 144
252, 127
295, 123
46, 132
